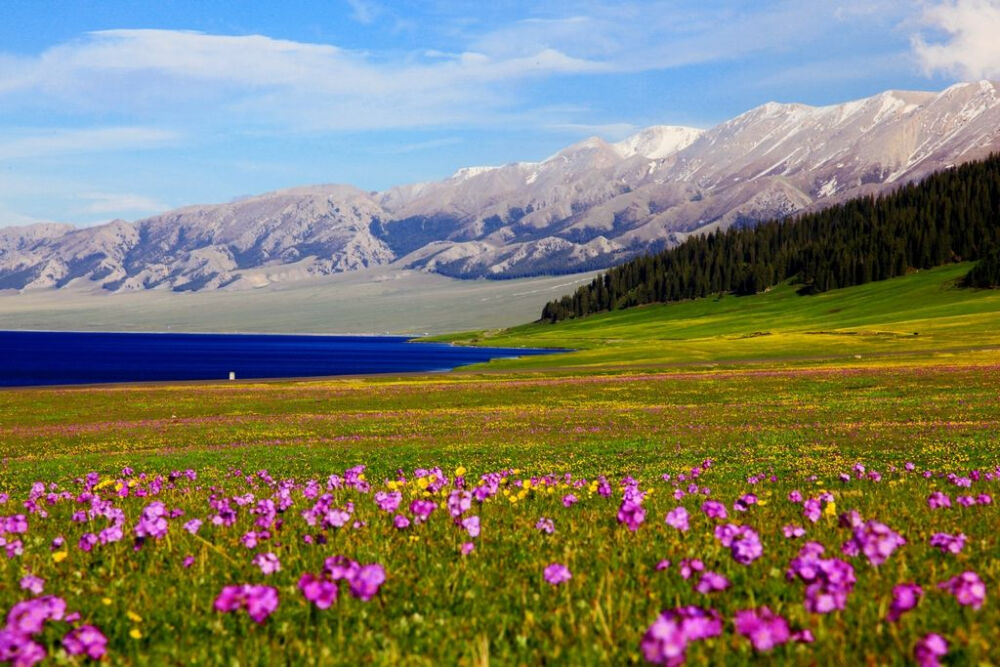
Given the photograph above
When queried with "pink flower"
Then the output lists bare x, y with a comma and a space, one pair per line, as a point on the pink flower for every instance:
546, 526
763, 628
85, 640
467, 548
876, 541
267, 562
678, 518
930, 647
711, 582
631, 514
948, 543
666, 640
569, 500
259, 601
471, 525
321, 592
557, 573
792, 531
714, 509
366, 582
967, 588
904, 598
32, 583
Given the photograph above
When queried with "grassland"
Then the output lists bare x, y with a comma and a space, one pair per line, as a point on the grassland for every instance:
648, 398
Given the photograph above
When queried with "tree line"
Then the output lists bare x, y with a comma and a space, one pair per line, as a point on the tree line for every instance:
951, 216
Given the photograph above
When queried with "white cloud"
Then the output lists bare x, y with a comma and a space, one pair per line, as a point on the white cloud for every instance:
967, 42
62, 141
247, 80
102, 203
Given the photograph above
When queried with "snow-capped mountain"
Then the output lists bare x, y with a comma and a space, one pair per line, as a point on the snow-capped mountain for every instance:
588, 206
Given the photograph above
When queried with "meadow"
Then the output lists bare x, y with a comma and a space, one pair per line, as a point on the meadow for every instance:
632, 502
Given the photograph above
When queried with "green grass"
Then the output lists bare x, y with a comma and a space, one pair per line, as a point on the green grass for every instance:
652, 391
922, 313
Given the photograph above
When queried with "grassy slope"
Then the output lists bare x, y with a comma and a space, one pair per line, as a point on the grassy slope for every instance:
878, 318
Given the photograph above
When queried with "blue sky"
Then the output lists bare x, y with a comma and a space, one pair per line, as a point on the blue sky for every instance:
123, 109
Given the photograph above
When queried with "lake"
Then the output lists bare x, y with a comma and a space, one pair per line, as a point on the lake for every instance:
49, 358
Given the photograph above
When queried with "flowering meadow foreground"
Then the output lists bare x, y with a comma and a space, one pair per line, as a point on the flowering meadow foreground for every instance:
692, 521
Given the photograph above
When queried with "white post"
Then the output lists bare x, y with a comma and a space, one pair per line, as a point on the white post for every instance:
232, 375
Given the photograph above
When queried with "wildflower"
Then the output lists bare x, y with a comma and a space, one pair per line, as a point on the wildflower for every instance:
259, 601
557, 573
711, 582
459, 502
545, 525
400, 522
714, 509
188, 561
267, 562
366, 582
690, 566
967, 588
321, 592
792, 531
948, 543
471, 525
662, 565
569, 500
938, 500
744, 502
763, 628
828, 580
743, 542
666, 640
876, 541
631, 514
811, 509
152, 521
678, 518
929, 648
388, 501
467, 548
85, 640
193, 526
421, 509
904, 598
32, 583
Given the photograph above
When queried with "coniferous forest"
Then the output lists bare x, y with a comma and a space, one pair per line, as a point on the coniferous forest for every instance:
951, 216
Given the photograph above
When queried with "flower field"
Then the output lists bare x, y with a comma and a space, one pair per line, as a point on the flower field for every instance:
805, 515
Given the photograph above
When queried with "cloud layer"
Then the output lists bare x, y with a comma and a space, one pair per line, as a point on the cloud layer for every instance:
967, 42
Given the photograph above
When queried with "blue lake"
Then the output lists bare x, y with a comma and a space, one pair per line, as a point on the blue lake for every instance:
46, 358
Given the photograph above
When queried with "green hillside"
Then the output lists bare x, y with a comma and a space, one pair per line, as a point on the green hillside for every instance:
924, 312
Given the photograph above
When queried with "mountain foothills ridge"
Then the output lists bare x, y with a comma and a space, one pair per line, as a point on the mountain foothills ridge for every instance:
589, 206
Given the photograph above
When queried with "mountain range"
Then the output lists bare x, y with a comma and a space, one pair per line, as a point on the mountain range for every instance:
589, 206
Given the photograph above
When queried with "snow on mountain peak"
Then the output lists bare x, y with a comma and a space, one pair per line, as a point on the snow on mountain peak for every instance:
658, 141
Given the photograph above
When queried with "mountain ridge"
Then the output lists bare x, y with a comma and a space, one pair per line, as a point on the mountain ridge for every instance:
588, 206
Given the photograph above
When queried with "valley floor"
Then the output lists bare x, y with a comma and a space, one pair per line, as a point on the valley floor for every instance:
799, 437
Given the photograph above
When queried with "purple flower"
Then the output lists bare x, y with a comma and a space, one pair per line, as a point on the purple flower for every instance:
812, 510
689, 566
929, 648
388, 501
711, 582
188, 561
467, 548
795, 496
666, 640
967, 588
471, 525
904, 598
557, 573
744, 502
876, 541
713, 509
29, 616
459, 502
32, 583
743, 542
267, 562
678, 518
937, 500
662, 565
367, 581
631, 514
20, 650
85, 640
792, 531
546, 526
569, 500
193, 526
948, 543
321, 592
763, 628
400, 522
152, 521
421, 509
828, 580
259, 601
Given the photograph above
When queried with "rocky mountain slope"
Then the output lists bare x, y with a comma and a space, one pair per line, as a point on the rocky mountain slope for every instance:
588, 206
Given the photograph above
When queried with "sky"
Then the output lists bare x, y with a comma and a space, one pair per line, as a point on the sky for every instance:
123, 109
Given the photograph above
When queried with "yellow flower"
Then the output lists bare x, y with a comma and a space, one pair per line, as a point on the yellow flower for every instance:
106, 601
135, 633
422, 482
134, 617
460, 471
830, 509
59, 556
